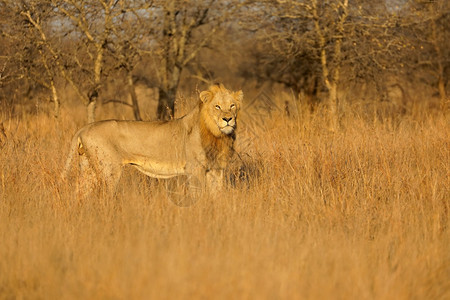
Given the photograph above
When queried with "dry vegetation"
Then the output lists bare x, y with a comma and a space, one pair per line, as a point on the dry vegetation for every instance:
349, 185
360, 213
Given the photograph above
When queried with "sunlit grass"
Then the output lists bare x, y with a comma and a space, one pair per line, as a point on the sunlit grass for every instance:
362, 212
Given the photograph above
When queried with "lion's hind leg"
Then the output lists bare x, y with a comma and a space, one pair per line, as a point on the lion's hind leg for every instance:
110, 175
97, 174
87, 178
100, 167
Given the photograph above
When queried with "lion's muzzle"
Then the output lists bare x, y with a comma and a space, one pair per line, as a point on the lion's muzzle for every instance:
227, 125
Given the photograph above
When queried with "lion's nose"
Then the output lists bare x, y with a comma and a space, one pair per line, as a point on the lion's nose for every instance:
227, 119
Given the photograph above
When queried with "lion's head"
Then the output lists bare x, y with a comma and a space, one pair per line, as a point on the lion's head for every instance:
220, 109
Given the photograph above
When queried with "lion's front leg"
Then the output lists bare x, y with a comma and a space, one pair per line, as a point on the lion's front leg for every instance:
195, 182
214, 180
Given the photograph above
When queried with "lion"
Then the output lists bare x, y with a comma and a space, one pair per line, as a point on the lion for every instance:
198, 145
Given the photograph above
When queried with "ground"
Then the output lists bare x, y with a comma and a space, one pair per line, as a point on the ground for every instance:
357, 213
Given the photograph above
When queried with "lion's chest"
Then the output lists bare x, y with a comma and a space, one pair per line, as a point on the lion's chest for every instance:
217, 151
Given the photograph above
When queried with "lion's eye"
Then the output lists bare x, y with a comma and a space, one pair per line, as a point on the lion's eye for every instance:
232, 106
217, 107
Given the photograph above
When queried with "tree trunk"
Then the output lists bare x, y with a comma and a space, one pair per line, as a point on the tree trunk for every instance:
167, 96
333, 106
442, 92
91, 110
166, 104
55, 100
134, 101
437, 47
93, 95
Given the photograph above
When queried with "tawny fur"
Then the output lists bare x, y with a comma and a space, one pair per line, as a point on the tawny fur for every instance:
198, 145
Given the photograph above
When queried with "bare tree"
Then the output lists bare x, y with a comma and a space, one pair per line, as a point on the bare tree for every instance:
337, 13
9, 39
428, 24
38, 14
180, 31
312, 32
129, 44
300, 41
29, 22
314, 47
93, 20
275, 43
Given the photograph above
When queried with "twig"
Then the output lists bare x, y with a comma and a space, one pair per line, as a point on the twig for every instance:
116, 101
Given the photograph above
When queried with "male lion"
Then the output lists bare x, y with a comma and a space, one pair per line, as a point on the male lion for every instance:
198, 145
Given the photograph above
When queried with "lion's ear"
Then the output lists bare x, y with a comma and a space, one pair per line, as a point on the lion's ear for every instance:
239, 96
205, 96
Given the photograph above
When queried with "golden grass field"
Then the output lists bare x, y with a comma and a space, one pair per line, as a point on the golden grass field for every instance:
358, 213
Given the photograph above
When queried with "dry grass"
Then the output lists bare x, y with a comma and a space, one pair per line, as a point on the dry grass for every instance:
362, 213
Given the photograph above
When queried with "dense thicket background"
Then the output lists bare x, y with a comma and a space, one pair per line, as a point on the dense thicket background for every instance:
76, 52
